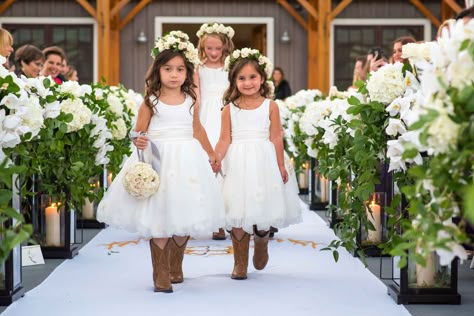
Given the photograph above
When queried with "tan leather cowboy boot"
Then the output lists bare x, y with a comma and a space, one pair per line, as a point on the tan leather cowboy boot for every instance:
176, 261
161, 267
260, 252
241, 256
220, 235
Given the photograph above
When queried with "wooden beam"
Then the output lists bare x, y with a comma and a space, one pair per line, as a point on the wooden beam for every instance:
337, 10
133, 13
453, 5
309, 7
117, 7
426, 12
5, 5
87, 6
293, 13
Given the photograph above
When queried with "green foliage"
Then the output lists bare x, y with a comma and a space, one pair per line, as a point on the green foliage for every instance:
13, 229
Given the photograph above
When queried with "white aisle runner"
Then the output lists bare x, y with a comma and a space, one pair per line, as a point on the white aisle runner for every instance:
112, 276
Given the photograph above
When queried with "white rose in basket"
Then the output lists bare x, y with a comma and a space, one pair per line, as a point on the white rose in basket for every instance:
140, 180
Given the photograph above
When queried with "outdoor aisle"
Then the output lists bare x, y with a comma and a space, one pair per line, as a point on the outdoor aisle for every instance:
299, 280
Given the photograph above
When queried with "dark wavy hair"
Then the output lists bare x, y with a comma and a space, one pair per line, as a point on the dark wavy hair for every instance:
153, 80
232, 93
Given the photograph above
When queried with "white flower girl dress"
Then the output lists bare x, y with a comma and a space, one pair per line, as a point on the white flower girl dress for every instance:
213, 83
254, 193
188, 201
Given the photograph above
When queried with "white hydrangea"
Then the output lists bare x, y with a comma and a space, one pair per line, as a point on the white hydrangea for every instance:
81, 114
119, 129
115, 104
71, 87
387, 83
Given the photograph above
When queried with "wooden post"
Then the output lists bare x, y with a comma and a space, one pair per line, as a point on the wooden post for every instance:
313, 43
114, 58
103, 15
322, 49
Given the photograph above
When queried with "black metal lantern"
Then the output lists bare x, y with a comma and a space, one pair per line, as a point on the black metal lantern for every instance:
430, 284
417, 284
11, 287
319, 189
54, 224
89, 209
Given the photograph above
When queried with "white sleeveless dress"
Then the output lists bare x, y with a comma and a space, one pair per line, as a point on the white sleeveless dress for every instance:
188, 201
253, 191
213, 83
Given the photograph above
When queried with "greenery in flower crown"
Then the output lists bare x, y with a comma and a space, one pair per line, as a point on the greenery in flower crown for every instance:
210, 28
176, 41
263, 61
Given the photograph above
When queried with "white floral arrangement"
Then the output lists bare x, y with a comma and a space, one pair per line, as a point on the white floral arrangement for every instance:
140, 180
263, 61
177, 41
215, 28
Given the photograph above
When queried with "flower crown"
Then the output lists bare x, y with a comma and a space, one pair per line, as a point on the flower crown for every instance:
263, 61
176, 41
209, 28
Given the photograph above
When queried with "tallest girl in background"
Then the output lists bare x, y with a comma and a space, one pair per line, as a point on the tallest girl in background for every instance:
215, 44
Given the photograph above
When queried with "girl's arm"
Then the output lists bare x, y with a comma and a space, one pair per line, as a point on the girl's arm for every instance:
143, 120
276, 138
200, 134
225, 137
197, 82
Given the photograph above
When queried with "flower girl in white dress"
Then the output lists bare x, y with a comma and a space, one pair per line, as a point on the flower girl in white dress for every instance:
215, 44
188, 201
255, 193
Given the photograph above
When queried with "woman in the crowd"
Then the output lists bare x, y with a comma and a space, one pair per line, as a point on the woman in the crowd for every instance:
6, 45
54, 57
282, 87
29, 60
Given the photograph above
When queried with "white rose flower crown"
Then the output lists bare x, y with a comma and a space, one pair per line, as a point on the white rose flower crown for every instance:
263, 61
210, 28
177, 41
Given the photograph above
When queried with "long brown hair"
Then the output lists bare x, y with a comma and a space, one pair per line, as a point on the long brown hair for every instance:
232, 93
153, 80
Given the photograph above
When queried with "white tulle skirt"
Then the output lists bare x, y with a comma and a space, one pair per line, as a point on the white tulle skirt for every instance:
253, 190
188, 201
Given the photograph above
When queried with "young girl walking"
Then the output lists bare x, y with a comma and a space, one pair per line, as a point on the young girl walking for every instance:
254, 192
188, 201
215, 44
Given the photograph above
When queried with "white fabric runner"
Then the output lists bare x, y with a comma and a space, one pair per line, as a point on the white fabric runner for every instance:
298, 280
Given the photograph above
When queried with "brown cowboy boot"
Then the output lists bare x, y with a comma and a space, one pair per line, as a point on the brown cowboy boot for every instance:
241, 256
260, 252
220, 235
176, 261
161, 267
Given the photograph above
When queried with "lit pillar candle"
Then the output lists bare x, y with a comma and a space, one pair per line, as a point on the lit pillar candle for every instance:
425, 276
375, 236
88, 209
109, 179
52, 226
324, 189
